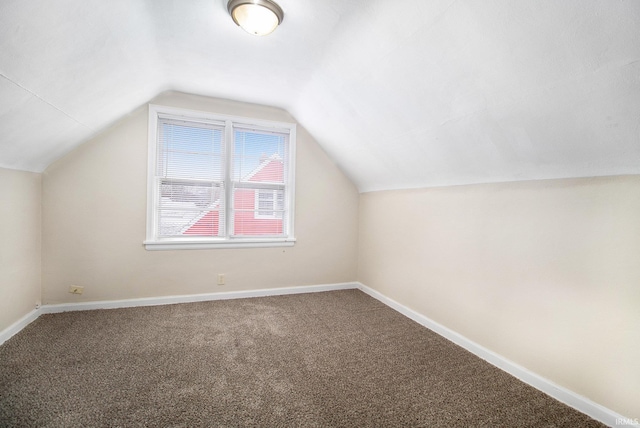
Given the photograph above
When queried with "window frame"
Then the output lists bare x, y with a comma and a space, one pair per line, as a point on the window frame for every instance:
154, 242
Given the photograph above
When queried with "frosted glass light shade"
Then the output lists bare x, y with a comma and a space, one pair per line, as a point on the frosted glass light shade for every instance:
257, 17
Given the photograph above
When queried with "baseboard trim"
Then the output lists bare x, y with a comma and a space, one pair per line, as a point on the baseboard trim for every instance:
578, 402
17, 326
564, 395
190, 298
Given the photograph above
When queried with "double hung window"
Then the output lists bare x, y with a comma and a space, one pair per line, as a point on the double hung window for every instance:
218, 181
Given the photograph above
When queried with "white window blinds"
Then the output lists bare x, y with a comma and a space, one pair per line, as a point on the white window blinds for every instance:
219, 180
259, 175
190, 179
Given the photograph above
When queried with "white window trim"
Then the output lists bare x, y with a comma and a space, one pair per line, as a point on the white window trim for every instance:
152, 242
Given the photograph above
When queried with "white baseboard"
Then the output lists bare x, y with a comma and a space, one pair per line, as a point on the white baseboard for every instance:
570, 398
169, 300
17, 326
578, 402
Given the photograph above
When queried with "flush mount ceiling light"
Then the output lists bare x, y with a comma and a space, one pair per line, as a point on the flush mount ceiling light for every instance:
257, 17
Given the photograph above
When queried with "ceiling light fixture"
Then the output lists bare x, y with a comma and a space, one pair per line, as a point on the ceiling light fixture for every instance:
257, 17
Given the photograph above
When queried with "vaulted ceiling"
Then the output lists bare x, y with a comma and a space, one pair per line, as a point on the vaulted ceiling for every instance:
400, 93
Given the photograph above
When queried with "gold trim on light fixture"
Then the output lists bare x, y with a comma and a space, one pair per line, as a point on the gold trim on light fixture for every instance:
257, 17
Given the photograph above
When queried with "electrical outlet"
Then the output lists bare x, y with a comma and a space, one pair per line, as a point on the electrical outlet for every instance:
220, 279
76, 289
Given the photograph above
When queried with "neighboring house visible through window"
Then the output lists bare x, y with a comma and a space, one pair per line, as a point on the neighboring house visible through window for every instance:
217, 181
269, 204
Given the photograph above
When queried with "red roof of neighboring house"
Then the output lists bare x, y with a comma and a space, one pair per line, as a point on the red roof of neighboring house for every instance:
206, 225
270, 169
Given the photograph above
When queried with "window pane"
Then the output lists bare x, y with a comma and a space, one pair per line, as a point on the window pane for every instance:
189, 151
256, 212
209, 223
259, 156
188, 195
175, 223
192, 209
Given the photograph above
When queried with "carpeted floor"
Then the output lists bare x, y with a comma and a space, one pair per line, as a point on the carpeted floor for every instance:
324, 359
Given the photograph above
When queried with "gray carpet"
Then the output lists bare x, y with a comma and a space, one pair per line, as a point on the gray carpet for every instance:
323, 359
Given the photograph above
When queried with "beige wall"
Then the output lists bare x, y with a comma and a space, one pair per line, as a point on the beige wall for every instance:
94, 221
546, 274
19, 244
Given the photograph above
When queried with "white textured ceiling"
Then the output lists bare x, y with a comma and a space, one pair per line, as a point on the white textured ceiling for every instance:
404, 93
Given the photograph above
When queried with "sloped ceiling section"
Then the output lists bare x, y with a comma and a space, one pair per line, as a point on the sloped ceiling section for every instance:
400, 93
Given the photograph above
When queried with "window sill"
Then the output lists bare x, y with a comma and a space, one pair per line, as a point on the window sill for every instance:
210, 244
